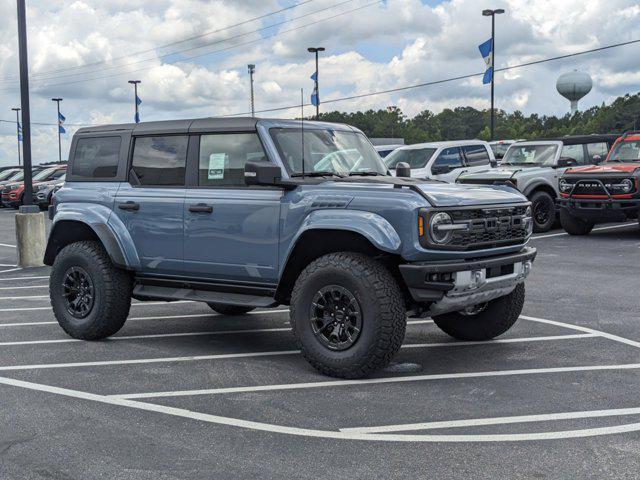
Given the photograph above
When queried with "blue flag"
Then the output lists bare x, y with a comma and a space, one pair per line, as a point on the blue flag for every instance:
138, 101
61, 120
486, 50
315, 98
136, 117
19, 132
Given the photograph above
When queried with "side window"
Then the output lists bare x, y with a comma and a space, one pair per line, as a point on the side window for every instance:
160, 160
96, 157
223, 156
449, 157
573, 151
476, 155
599, 149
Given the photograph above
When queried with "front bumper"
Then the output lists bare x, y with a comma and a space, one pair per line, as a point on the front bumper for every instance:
601, 210
455, 285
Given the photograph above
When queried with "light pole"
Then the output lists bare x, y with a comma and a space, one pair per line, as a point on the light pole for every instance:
58, 100
252, 69
492, 14
17, 110
135, 98
316, 50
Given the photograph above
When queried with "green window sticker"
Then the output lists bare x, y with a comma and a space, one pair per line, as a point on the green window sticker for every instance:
217, 162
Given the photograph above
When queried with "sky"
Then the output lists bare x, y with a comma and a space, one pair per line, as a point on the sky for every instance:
191, 57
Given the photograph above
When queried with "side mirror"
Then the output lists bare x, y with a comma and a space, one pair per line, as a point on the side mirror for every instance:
440, 169
567, 162
493, 163
597, 159
403, 170
262, 173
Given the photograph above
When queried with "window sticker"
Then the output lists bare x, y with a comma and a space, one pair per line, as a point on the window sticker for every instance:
217, 162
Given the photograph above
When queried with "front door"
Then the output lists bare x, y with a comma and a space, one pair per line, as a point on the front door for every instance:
151, 204
231, 230
447, 165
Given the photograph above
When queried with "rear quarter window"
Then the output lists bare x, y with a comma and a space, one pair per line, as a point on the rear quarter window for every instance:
96, 157
476, 155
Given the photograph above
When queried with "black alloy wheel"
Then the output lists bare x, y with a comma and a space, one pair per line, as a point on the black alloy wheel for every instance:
78, 292
336, 317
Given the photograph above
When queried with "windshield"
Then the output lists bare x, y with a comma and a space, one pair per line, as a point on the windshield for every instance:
327, 151
44, 174
17, 176
628, 151
7, 174
499, 149
415, 157
530, 155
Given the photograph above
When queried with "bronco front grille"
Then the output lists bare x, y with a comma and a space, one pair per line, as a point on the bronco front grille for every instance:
486, 227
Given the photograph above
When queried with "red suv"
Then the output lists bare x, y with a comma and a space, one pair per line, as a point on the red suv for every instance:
602, 193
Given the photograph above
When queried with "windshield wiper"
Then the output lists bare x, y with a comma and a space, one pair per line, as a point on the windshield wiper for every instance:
366, 174
317, 174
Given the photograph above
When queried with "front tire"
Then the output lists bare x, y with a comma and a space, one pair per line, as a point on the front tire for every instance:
224, 309
573, 225
494, 319
348, 315
544, 211
89, 295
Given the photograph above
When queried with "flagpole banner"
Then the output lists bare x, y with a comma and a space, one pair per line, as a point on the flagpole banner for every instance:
486, 50
61, 120
315, 98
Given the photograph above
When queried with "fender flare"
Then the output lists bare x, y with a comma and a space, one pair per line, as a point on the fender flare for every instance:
530, 188
107, 227
371, 226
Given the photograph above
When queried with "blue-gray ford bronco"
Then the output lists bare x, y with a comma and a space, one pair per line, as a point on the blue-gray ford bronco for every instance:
242, 213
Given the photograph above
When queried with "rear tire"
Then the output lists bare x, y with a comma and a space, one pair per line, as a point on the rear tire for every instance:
348, 315
544, 211
573, 225
496, 318
89, 295
224, 309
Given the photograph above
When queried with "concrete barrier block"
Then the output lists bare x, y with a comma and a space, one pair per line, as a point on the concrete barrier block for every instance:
30, 239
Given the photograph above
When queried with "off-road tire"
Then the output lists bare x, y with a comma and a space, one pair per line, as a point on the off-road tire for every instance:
383, 314
498, 317
543, 198
112, 291
573, 225
224, 309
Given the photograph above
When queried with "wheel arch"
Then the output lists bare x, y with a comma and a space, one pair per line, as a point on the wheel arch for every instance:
541, 187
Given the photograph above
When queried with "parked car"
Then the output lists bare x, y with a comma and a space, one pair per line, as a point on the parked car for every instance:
236, 213
43, 191
384, 150
443, 160
602, 193
13, 191
8, 173
534, 167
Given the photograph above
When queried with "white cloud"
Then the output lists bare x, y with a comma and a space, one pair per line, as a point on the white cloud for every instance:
383, 46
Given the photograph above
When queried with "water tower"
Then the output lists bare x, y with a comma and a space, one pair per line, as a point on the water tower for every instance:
573, 86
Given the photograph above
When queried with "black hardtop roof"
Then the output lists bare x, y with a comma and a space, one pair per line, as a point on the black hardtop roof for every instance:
580, 139
217, 124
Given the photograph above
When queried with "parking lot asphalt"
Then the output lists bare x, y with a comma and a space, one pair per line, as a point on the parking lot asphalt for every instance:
181, 392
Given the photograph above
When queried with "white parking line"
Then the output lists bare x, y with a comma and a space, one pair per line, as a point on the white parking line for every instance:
375, 381
24, 287
610, 227
476, 422
26, 297
11, 270
136, 304
22, 278
7, 245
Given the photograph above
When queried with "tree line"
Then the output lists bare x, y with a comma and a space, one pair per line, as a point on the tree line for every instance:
623, 114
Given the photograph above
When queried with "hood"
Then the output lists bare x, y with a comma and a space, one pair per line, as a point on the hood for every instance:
503, 172
455, 195
605, 168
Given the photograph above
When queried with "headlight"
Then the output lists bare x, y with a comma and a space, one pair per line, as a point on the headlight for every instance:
564, 185
626, 185
437, 235
528, 219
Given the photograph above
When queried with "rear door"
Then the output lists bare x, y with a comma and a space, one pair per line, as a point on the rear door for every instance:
151, 203
231, 229
476, 157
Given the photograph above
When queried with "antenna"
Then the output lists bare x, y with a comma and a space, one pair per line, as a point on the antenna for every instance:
302, 126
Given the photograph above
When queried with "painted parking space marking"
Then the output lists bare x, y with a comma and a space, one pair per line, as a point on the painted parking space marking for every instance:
134, 304
23, 278
24, 287
7, 245
610, 227
375, 381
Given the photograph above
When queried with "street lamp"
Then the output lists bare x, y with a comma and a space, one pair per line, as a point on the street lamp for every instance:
17, 110
316, 50
136, 100
252, 69
492, 14
58, 100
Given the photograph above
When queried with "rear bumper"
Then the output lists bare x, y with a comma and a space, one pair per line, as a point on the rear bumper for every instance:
600, 210
452, 286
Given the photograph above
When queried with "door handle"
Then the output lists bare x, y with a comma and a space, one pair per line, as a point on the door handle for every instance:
201, 208
129, 206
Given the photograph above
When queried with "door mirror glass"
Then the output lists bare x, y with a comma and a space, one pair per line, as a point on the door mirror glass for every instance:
567, 162
440, 169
